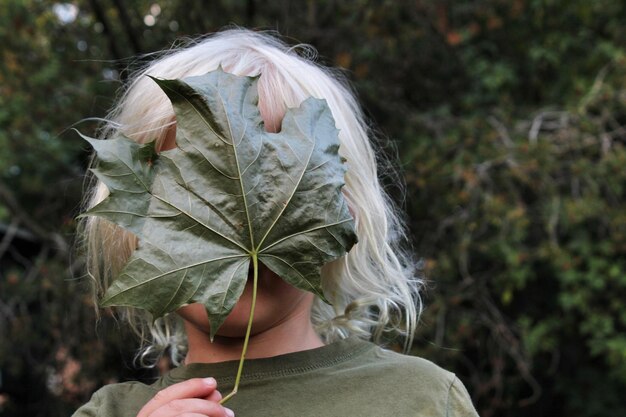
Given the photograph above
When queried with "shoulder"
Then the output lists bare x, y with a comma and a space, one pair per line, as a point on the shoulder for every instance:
119, 400
430, 387
411, 370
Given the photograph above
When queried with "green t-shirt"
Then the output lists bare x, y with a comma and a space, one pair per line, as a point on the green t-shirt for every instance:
346, 378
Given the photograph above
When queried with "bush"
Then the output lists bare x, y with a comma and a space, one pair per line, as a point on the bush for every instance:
523, 226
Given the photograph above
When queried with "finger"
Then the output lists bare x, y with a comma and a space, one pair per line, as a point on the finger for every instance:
204, 415
198, 415
190, 405
191, 415
215, 396
191, 388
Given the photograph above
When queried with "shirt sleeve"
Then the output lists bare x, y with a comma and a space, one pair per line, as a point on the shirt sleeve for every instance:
459, 403
91, 408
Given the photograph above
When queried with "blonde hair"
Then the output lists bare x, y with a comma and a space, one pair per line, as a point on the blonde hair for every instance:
374, 290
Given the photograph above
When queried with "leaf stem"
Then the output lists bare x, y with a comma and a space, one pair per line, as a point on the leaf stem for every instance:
255, 266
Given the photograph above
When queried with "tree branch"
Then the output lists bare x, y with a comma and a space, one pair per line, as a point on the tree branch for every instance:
128, 27
59, 243
106, 28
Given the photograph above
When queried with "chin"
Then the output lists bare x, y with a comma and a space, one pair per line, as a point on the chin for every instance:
276, 301
236, 323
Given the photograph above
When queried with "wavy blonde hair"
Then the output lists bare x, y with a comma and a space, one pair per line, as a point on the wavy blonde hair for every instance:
374, 289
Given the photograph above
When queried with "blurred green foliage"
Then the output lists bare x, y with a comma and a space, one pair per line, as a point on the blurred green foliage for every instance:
509, 117
525, 234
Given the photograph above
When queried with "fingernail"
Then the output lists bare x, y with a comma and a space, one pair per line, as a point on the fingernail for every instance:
229, 412
210, 381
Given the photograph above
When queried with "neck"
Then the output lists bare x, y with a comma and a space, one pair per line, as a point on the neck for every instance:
293, 335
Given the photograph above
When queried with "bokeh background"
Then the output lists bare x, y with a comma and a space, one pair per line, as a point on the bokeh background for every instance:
508, 118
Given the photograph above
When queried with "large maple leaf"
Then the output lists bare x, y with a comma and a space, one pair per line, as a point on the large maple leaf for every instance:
230, 194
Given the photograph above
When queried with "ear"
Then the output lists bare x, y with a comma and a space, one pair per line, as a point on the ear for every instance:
351, 212
169, 139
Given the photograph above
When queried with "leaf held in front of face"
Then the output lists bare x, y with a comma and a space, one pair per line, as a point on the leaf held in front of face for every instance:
227, 192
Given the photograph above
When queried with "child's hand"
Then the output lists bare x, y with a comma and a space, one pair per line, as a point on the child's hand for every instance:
197, 397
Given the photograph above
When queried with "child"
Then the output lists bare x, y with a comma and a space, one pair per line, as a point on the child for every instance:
305, 357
